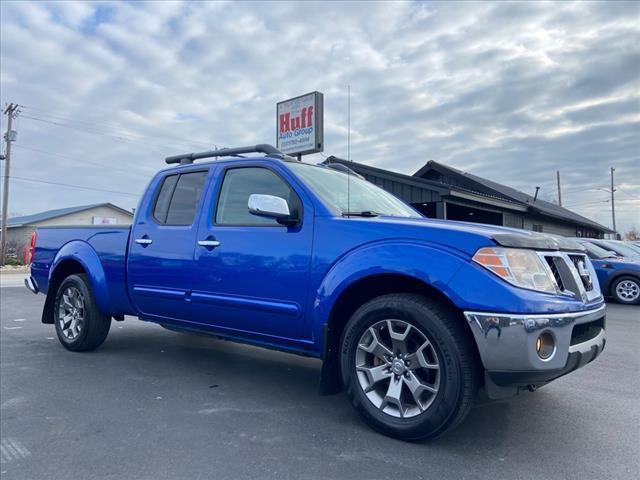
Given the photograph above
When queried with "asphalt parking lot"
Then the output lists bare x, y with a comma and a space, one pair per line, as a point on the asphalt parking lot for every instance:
152, 404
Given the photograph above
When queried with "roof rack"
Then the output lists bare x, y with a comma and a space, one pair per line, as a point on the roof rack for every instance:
332, 163
188, 158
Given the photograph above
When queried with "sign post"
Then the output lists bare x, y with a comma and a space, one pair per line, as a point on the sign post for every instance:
300, 125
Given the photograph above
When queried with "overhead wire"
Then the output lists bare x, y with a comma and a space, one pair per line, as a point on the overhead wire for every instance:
84, 161
82, 122
628, 194
121, 137
97, 189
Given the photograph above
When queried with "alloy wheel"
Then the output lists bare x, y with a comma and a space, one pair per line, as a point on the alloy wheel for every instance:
71, 313
397, 368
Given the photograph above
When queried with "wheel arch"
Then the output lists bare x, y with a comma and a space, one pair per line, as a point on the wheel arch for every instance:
76, 258
355, 295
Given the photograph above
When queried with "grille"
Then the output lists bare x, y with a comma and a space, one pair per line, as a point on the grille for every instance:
579, 261
586, 331
551, 261
572, 274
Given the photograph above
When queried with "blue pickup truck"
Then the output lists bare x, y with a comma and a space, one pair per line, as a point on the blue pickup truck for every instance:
411, 316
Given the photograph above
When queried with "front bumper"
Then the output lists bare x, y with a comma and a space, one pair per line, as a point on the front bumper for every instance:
507, 344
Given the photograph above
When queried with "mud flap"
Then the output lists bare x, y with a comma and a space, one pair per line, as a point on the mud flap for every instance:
330, 381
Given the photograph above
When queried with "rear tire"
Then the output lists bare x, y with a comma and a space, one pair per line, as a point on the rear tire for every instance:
406, 395
79, 323
626, 290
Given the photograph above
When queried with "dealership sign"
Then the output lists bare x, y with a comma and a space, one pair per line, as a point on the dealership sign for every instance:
300, 124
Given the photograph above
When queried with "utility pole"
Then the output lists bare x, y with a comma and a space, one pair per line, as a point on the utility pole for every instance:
559, 191
11, 111
613, 205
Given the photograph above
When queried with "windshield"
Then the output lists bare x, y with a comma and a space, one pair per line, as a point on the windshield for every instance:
633, 247
619, 248
349, 194
595, 251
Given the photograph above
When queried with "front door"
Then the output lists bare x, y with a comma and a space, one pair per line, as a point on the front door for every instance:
252, 272
160, 262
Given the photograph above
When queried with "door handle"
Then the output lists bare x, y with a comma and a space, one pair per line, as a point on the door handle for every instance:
144, 241
209, 243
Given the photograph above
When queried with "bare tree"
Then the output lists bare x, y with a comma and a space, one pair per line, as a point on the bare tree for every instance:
632, 234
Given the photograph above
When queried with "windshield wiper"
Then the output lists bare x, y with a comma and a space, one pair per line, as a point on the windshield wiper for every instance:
365, 213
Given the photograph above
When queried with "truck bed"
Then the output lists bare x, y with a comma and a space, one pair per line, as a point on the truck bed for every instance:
110, 244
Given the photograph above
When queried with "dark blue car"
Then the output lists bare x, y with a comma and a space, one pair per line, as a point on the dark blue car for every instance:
619, 277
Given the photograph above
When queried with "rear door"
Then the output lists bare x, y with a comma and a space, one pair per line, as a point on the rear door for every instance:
252, 272
162, 244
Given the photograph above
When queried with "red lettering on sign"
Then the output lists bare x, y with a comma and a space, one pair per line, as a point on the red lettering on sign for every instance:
288, 123
309, 116
284, 122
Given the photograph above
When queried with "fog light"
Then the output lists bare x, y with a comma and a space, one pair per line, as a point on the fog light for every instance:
545, 345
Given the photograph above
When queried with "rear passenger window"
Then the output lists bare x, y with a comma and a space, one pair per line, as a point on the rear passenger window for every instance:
164, 198
178, 198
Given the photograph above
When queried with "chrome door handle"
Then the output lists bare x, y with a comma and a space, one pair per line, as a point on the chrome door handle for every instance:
209, 243
144, 241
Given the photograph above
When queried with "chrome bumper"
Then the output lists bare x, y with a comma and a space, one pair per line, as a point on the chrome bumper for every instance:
31, 284
507, 342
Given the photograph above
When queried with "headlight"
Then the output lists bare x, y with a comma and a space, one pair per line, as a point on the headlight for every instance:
522, 268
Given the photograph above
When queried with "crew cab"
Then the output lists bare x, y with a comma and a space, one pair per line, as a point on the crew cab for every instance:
411, 316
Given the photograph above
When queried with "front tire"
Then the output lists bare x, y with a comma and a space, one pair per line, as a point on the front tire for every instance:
79, 323
626, 290
408, 366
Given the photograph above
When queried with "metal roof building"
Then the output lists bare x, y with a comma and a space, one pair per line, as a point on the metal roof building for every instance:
19, 229
440, 191
38, 218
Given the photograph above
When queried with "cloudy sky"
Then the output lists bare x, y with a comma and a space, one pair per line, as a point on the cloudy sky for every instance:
509, 91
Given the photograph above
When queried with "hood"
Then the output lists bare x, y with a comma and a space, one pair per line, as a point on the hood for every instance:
618, 261
504, 236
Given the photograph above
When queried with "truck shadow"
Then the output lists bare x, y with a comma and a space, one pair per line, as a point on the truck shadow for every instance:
228, 371
229, 365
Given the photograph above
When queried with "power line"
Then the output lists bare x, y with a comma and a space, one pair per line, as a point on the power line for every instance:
69, 119
118, 136
110, 167
628, 194
578, 189
95, 189
97, 132
587, 203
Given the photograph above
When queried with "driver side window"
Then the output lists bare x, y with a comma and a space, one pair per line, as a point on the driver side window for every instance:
239, 184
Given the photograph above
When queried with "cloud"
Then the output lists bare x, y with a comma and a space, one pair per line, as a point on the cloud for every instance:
509, 91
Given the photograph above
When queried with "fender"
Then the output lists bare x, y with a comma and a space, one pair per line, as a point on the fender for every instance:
429, 263
85, 255
432, 264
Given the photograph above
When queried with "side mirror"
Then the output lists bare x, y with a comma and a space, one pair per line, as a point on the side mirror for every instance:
270, 206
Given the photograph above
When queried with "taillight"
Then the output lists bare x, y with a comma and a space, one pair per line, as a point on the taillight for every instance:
32, 247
